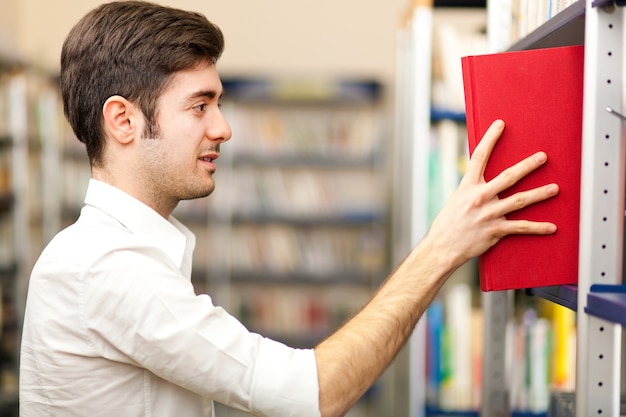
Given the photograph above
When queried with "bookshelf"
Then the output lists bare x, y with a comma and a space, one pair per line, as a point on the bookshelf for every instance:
294, 239
13, 223
597, 301
599, 293
30, 119
19, 221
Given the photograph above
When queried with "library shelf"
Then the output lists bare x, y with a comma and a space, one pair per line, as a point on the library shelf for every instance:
437, 412
607, 302
564, 29
460, 3
337, 277
310, 91
437, 114
565, 295
318, 220
349, 219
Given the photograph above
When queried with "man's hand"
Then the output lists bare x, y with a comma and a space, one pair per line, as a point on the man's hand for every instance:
473, 219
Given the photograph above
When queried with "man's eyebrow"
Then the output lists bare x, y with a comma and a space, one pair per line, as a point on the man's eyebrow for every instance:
210, 94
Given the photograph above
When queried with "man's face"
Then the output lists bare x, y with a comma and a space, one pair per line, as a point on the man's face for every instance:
179, 163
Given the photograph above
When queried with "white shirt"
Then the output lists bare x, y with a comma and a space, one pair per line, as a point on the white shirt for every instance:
113, 328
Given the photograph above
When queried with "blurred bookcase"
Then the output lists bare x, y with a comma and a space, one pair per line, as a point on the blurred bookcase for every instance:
430, 158
29, 116
295, 237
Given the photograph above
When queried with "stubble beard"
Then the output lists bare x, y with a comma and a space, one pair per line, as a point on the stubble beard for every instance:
172, 189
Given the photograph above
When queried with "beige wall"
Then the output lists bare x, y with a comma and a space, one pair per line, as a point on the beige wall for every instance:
263, 37
8, 29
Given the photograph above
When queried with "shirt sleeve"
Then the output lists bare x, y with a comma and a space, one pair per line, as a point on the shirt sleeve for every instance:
285, 379
137, 308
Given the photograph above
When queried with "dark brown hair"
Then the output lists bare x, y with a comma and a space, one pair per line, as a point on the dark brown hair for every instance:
129, 48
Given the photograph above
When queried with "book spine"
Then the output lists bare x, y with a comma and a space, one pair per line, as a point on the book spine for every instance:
456, 391
564, 330
470, 105
539, 369
435, 328
485, 284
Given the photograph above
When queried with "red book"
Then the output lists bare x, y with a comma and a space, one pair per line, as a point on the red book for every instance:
538, 94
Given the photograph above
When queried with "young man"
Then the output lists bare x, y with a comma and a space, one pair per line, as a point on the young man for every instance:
112, 325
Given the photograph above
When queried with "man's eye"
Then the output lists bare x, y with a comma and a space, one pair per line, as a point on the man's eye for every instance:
200, 107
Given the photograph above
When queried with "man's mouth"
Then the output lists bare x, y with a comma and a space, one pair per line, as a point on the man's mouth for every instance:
209, 157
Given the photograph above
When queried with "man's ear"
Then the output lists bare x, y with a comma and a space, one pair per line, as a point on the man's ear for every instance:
122, 119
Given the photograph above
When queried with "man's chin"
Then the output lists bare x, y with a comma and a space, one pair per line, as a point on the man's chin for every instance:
198, 193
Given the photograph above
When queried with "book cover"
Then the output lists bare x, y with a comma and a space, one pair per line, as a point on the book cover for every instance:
538, 94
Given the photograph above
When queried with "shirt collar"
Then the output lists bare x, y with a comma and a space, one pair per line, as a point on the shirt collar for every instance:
171, 236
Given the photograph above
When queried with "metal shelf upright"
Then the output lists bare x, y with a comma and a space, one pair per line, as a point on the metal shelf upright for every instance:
602, 207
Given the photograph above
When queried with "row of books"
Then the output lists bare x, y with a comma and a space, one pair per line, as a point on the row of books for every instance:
307, 192
283, 250
541, 352
305, 130
518, 18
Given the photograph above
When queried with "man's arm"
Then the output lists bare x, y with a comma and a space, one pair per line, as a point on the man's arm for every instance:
471, 221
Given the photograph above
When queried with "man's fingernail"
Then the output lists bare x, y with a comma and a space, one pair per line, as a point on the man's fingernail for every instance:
552, 189
541, 157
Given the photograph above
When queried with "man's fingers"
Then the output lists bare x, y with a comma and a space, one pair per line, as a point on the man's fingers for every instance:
523, 199
499, 208
526, 227
480, 156
513, 174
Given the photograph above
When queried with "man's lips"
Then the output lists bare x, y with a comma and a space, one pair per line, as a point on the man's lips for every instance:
209, 159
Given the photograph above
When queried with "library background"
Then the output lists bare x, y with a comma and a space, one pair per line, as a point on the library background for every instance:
346, 141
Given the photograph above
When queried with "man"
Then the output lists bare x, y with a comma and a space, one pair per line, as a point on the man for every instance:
112, 324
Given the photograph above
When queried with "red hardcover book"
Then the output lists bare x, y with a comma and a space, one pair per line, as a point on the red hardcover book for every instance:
538, 93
